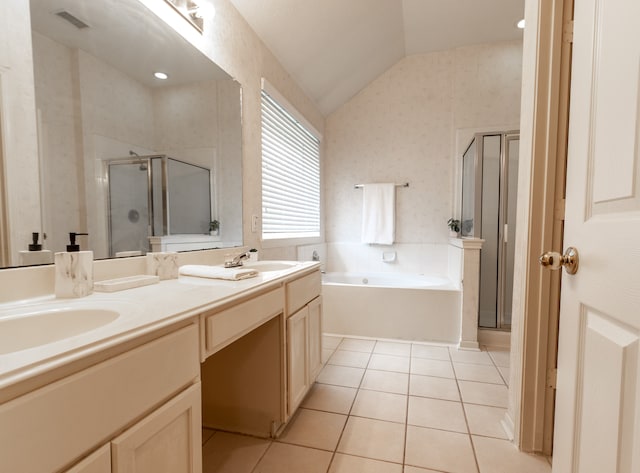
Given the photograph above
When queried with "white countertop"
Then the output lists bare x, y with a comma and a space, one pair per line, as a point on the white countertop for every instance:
142, 310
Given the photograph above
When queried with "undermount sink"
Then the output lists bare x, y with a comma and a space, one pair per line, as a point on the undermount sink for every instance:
34, 328
264, 266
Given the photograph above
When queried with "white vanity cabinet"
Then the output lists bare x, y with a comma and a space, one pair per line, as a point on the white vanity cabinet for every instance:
166, 441
98, 462
304, 337
135, 401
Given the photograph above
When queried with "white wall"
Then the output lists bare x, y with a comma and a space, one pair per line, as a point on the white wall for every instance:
402, 128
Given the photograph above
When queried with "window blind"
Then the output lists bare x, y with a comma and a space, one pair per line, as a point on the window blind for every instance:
290, 175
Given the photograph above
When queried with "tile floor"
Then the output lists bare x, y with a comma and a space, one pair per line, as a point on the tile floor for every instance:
389, 407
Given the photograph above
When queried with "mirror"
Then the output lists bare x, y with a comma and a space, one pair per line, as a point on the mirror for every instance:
99, 108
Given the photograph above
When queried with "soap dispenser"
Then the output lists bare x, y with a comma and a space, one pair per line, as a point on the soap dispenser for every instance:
74, 270
73, 246
35, 254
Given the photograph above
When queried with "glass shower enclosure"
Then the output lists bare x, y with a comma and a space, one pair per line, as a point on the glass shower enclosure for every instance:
489, 198
155, 196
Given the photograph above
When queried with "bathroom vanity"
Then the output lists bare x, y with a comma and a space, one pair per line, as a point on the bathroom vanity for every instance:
133, 394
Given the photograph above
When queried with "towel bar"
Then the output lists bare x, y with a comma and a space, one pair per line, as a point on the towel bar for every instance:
360, 186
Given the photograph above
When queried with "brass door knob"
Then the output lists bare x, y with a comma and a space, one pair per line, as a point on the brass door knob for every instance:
553, 260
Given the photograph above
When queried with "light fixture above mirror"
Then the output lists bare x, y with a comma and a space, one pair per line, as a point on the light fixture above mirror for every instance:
194, 11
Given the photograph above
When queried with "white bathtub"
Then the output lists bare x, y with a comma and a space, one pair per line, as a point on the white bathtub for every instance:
394, 306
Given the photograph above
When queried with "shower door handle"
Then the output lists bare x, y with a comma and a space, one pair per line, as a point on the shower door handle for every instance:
553, 260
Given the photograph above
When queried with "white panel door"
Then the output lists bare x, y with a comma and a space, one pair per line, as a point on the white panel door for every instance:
598, 395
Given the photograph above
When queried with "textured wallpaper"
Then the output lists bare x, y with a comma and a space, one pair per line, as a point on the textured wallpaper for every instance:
402, 128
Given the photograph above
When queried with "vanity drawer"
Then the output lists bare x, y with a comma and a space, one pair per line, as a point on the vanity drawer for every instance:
303, 290
70, 417
223, 328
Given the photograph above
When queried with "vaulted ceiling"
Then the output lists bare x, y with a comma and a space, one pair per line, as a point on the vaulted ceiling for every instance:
334, 48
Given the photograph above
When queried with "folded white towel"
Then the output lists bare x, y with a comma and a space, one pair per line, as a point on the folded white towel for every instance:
379, 213
217, 272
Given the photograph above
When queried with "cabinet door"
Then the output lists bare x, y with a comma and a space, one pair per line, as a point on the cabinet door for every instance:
98, 462
315, 338
297, 330
166, 441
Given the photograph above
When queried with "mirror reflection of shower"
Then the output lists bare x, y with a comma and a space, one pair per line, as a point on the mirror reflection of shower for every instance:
155, 195
489, 198
143, 164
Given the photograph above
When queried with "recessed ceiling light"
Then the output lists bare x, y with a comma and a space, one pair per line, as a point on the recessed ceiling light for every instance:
520, 24
160, 75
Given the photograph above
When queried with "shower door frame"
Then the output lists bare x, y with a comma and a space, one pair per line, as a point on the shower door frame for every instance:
505, 138
164, 191
146, 159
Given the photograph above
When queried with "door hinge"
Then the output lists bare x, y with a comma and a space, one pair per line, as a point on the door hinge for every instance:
552, 377
567, 32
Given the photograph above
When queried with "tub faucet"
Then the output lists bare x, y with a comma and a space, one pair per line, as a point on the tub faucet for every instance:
314, 256
237, 260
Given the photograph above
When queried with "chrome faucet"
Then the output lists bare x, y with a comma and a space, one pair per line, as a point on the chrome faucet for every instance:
315, 256
237, 260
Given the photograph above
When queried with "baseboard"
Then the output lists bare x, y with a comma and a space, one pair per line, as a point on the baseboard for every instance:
507, 425
495, 338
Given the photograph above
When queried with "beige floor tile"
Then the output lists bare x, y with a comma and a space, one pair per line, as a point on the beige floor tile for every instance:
341, 376
393, 348
326, 354
314, 429
431, 386
386, 381
381, 406
325, 397
399, 364
427, 367
284, 458
355, 359
485, 420
357, 344
439, 450
468, 356
436, 414
501, 355
331, 342
207, 434
231, 453
483, 393
429, 351
350, 464
501, 456
413, 469
374, 439
504, 372
480, 373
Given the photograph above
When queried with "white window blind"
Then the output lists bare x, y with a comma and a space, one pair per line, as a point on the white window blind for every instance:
290, 175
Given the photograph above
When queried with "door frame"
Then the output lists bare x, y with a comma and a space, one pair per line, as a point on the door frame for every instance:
540, 221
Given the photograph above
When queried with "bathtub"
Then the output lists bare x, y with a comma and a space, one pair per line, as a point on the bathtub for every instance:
393, 306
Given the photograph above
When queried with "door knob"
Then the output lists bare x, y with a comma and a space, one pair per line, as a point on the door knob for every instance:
553, 260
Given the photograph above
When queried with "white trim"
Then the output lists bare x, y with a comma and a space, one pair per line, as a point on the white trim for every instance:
291, 109
283, 242
494, 338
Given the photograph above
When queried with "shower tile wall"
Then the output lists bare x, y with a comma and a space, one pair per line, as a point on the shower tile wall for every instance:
402, 128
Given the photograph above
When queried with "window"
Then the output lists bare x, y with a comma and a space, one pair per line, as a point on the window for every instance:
290, 172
